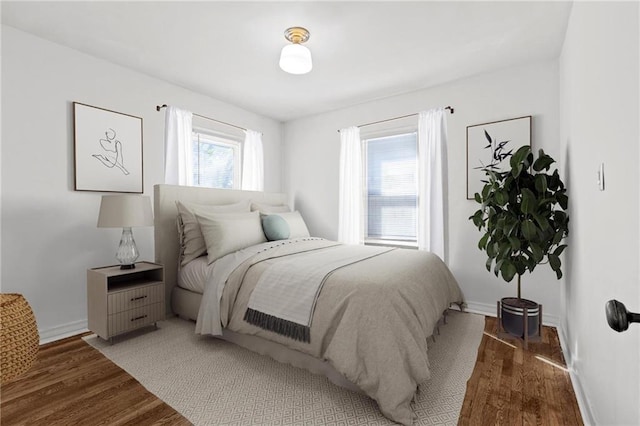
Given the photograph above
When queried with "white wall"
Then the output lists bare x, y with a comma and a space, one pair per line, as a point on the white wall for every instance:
600, 113
312, 151
49, 234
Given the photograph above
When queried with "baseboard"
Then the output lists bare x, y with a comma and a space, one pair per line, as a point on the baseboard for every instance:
583, 402
490, 311
58, 332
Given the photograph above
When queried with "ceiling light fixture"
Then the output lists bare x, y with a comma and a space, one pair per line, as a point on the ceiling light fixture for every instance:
296, 58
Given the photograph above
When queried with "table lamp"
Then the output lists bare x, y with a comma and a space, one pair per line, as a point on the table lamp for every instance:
125, 211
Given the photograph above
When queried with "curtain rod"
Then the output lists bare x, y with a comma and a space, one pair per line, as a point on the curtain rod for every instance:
159, 107
450, 108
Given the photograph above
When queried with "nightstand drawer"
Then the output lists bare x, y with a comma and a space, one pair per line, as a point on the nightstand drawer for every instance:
135, 318
125, 300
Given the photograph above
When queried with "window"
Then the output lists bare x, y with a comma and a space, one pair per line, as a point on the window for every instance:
391, 178
216, 161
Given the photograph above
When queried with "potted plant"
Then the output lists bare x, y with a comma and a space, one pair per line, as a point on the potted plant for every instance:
523, 222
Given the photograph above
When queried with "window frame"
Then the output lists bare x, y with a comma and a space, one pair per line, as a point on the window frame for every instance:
222, 139
364, 139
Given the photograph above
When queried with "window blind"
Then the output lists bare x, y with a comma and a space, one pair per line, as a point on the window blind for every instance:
392, 187
213, 163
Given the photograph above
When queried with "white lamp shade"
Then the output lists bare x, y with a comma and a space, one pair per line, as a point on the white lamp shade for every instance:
125, 211
295, 59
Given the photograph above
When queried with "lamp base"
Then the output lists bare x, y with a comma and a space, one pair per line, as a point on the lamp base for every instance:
127, 251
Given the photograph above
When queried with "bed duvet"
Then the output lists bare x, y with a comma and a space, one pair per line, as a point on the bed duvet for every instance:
371, 319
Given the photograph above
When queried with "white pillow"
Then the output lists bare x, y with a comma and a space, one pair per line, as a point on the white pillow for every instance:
269, 208
226, 233
297, 227
191, 239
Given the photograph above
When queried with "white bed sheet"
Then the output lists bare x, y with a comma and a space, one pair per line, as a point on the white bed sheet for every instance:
193, 275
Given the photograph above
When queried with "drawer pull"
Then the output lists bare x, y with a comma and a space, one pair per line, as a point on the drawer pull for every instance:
138, 298
138, 318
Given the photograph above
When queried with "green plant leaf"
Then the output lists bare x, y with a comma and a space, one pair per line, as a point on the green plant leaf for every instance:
516, 170
558, 251
530, 262
502, 198
505, 250
519, 156
560, 217
542, 221
478, 219
496, 247
538, 255
515, 243
477, 197
496, 270
548, 200
554, 181
488, 264
510, 226
485, 191
491, 212
543, 162
528, 161
508, 182
529, 202
483, 241
528, 229
554, 262
557, 237
508, 270
520, 266
492, 250
563, 200
541, 183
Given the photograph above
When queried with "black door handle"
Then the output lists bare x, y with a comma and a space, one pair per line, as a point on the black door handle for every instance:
618, 317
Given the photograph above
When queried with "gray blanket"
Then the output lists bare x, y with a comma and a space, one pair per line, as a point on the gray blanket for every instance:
371, 321
285, 296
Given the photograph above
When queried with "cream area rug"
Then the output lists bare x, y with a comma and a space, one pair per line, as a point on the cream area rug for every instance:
213, 382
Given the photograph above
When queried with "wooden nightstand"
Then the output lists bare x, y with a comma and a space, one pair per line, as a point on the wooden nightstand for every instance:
123, 300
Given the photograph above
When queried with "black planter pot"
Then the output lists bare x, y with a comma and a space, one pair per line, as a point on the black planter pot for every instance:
512, 314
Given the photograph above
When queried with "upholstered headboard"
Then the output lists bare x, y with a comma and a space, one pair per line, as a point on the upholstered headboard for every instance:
167, 247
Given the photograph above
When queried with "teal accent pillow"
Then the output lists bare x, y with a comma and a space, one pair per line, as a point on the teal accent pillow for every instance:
275, 227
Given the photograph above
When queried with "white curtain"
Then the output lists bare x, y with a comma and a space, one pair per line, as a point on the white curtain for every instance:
350, 219
253, 162
178, 150
432, 152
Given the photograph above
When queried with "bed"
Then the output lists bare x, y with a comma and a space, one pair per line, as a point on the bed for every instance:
371, 315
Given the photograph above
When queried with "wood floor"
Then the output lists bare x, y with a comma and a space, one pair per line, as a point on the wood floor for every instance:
513, 386
74, 384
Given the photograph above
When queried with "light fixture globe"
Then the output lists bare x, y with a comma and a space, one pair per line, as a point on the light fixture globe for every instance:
296, 58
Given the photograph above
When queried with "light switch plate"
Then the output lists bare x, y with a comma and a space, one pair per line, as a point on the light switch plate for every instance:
601, 177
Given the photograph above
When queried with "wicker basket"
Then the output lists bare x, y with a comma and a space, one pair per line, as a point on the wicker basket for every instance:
18, 336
